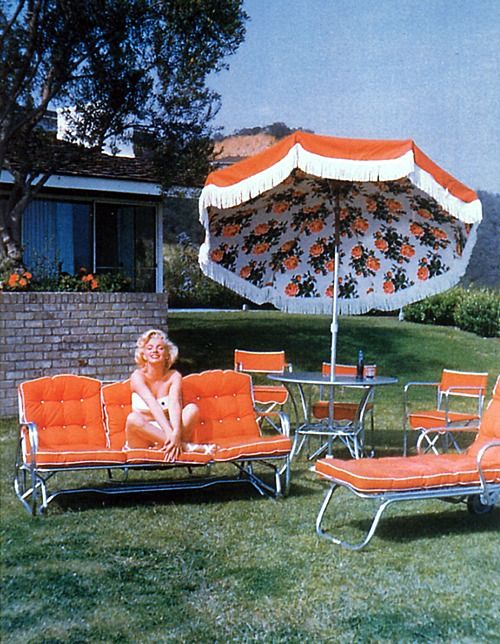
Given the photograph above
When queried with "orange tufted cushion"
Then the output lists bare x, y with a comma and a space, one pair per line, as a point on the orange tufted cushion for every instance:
224, 399
117, 405
237, 447
409, 472
67, 411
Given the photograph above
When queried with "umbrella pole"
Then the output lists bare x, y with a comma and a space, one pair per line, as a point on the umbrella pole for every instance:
334, 324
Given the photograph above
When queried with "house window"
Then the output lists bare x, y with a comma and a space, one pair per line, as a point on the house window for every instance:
56, 237
126, 242
102, 237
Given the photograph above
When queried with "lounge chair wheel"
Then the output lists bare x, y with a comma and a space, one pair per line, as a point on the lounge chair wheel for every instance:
476, 506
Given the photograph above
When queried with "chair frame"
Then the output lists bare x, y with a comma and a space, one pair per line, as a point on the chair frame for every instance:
267, 412
429, 438
480, 499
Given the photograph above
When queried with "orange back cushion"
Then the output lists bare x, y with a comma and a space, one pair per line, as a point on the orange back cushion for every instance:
224, 399
341, 369
455, 379
66, 409
116, 399
259, 361
490, 422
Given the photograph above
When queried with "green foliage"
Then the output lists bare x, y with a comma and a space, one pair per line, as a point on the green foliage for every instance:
474, 310
111, 65
479, 313
83, 282
185, 283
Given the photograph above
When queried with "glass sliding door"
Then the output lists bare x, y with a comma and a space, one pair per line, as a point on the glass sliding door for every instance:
125, 242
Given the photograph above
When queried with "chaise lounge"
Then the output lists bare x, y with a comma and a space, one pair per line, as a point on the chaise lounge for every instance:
473, 476
71, 423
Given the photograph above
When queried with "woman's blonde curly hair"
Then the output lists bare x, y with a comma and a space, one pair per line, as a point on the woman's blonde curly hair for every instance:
171, 352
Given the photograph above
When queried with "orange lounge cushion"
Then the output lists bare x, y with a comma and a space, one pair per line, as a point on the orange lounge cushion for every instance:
394, 473
342, 410
433, 418
78, 455
237, 447
266, 394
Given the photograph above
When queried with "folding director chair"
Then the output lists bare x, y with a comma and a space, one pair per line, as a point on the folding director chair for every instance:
258, 363
437, 426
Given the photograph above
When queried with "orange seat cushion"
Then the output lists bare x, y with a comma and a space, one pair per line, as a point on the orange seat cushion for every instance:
67, 411
341, 410
146, 456
78, 455
236, 447
267, 394
433, 418
394, 473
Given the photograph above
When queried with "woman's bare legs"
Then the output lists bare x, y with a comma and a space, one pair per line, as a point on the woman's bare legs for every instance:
138, 427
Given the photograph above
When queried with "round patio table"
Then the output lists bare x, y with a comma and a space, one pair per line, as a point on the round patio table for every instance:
351, 434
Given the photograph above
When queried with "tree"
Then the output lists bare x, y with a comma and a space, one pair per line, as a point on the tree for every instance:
109, 65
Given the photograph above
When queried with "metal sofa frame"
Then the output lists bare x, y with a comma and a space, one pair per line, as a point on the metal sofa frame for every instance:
31, 480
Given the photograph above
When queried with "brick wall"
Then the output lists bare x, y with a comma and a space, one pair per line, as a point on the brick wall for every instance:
91, 334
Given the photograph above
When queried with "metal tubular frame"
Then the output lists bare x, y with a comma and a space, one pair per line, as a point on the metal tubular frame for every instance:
32, 489
488, 493
444, 433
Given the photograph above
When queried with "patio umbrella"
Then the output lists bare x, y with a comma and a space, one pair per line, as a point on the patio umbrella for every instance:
318, 224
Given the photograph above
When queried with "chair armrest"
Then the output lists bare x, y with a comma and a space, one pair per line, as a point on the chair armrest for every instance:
406, 398
32, 435
488, 497
284, 420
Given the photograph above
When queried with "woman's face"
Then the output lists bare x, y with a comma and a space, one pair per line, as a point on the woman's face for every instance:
155, 351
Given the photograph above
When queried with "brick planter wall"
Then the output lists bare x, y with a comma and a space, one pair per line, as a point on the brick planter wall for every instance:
91, 334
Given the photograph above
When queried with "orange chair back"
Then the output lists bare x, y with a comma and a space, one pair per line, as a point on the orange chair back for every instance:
455, 379
259, 361
117, 404
489, 428
67, 410
224, 399
342, 369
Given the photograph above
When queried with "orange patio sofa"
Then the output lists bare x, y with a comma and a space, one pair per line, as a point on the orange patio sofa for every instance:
71, 423
473, 476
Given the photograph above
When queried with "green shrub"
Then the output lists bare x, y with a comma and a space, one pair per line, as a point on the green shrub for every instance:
437, 309
186, 285
479, 313
474, 310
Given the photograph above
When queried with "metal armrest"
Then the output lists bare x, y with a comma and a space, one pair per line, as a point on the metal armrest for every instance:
284, 420
32, 436
487, 497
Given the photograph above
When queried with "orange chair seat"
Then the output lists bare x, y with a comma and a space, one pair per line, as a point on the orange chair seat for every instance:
341, 410
433, 418
395, 473
78, 455
237, 447
145, 456
267, 394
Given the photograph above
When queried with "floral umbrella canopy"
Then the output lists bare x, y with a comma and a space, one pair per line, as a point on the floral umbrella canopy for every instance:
380, 215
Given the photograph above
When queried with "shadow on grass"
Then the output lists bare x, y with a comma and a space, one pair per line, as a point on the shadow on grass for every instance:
431, 525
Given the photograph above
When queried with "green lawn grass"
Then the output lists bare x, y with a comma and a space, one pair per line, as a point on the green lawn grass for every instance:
226, 565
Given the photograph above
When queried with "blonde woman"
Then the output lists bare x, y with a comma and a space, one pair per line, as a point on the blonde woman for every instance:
158, 418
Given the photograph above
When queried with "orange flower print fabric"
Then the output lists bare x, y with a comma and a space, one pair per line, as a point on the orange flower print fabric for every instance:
392, 237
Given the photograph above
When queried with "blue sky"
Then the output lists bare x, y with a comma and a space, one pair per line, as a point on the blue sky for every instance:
422, 69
